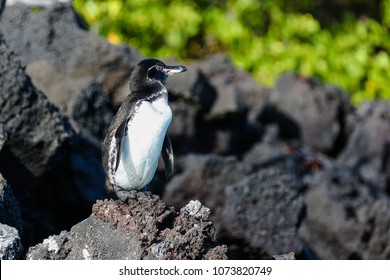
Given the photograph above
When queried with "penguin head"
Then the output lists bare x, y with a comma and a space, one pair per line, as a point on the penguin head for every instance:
151, 71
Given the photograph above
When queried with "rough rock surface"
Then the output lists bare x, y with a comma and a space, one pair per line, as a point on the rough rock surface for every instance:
10, 245
65, 45
3, 135
83, 100
211, 107
236, 89
204, 177
344, 218
67, 62
195, 89
2, 6
376, 237
317, 113
290, 257
9, 207
142, 229
269, 222
347, 201
42, 150
27, 115
368, 148
91, 239
265, 211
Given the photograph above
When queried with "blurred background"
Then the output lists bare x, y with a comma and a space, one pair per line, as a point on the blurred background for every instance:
342, 42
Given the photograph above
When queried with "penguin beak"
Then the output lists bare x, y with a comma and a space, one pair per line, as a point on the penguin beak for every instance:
170, 70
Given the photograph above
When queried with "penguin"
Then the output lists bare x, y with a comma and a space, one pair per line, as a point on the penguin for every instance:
137, 134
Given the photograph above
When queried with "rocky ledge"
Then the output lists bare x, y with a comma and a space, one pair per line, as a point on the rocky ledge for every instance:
144, 228
283, 172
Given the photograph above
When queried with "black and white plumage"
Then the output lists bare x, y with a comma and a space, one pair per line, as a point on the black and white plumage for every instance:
138, 132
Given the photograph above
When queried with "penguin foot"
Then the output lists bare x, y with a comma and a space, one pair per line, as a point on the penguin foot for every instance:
125, 195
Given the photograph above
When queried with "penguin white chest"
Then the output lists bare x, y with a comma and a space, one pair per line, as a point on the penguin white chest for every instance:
141, 147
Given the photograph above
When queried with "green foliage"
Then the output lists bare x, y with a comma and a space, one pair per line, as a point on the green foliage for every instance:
259, 36
36, 9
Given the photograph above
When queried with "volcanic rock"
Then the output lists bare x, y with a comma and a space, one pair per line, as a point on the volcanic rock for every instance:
42, 150
9, 207
10, 245
314, 112
66, 62
143, 229
345, 219
367, 152
265, 211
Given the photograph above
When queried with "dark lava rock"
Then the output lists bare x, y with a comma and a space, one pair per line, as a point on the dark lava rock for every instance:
195, 88
66, 45
203, 178
191, 236
264, 211
268, 152
367, 152
216, 99
285, 257
91, 109
9, 207
3, 135
48, 164
83, 100
183, 128
67, 62
376, 235
221, 184
91, 239
2, 6
10, 245
236, 90
143, 229
345, 218
36, 130
304, 108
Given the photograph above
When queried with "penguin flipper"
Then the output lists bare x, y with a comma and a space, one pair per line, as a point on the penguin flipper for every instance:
167, 155
119, 134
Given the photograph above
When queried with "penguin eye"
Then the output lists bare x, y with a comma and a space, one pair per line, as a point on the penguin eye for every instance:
159, 67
